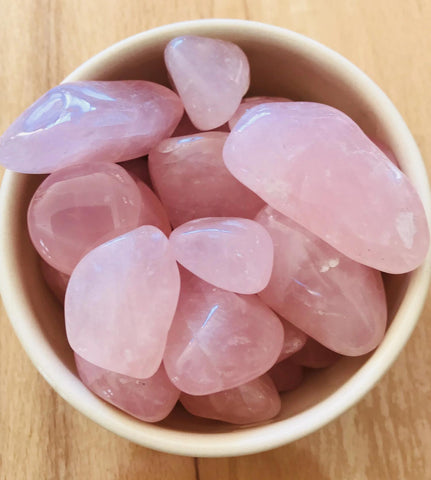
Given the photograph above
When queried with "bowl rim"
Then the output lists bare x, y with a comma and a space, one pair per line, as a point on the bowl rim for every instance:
261, 437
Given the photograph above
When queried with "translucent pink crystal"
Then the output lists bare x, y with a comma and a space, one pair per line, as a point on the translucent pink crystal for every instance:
219, 339
210, 75
251, 102
186, 127
235, 254
314, 164
332, 298
88, 121
57, 281
286, 375
294, 340
150, 399
314, 355
192, 181
79, 207
152, 211
121, 300
255, 401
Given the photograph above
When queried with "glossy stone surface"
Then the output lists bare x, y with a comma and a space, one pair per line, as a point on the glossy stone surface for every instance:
192, 181
57, 281
210, 75
255, 401
314, 355
314, 164
90, 121
286, 375
219, 339
294, 340
234, 254
120, 303
330, 297
251, 102
79, 207
149, 399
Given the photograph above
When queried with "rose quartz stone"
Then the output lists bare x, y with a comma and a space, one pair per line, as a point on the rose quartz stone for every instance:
152, 211
121, 300
330, 297
57, 281
210, 75
138, 167
219, 339
90, 121
312, 163
192, 181
186, 127
235, 254
149, 399
387, 151
251, 102
314, 355
286, 375
79, 207
255, 401
294, 340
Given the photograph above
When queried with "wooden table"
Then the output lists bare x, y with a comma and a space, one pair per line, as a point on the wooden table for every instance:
388, 434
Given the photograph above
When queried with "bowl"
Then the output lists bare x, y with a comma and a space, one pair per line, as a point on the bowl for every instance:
283, 63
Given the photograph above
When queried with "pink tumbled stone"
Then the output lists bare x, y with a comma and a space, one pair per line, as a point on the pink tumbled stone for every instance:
286, 375
314, 355
152, 211
57, 281
312, 163
149, 399
234, 254
211, 77
90, 121
294, 340
219, 339
79, 207
138, 167
121, 300
255, 401
192, 181
251, 102
330, 297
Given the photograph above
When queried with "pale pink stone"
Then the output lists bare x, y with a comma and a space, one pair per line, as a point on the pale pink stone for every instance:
314, 164
90, 121
255, 401
286, 375
294, 340
314, 355
210, 75
149, 399
121, 300
57, 281
251, 102
139, 167
79, 207
232, 253
186, 127
387, 151
330, 297
192, 181
219, 339
152, 211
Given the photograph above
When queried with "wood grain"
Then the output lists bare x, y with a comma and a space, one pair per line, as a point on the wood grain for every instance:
388, 434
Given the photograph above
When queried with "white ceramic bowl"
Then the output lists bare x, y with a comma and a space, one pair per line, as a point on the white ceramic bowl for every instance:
283, 63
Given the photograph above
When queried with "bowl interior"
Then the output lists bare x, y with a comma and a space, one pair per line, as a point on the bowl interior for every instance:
282, 64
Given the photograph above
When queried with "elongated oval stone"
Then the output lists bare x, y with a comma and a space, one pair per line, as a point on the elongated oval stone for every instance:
250, 102
286, 375
210, 75
314, 355
330, 297
192, 181
121, 300
57, 281
255, 401
79, 207
90, 121
312, 163
294, 340
149, 399
234, 254
219, 339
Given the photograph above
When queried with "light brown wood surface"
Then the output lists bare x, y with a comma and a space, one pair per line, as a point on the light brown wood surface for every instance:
388, 434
